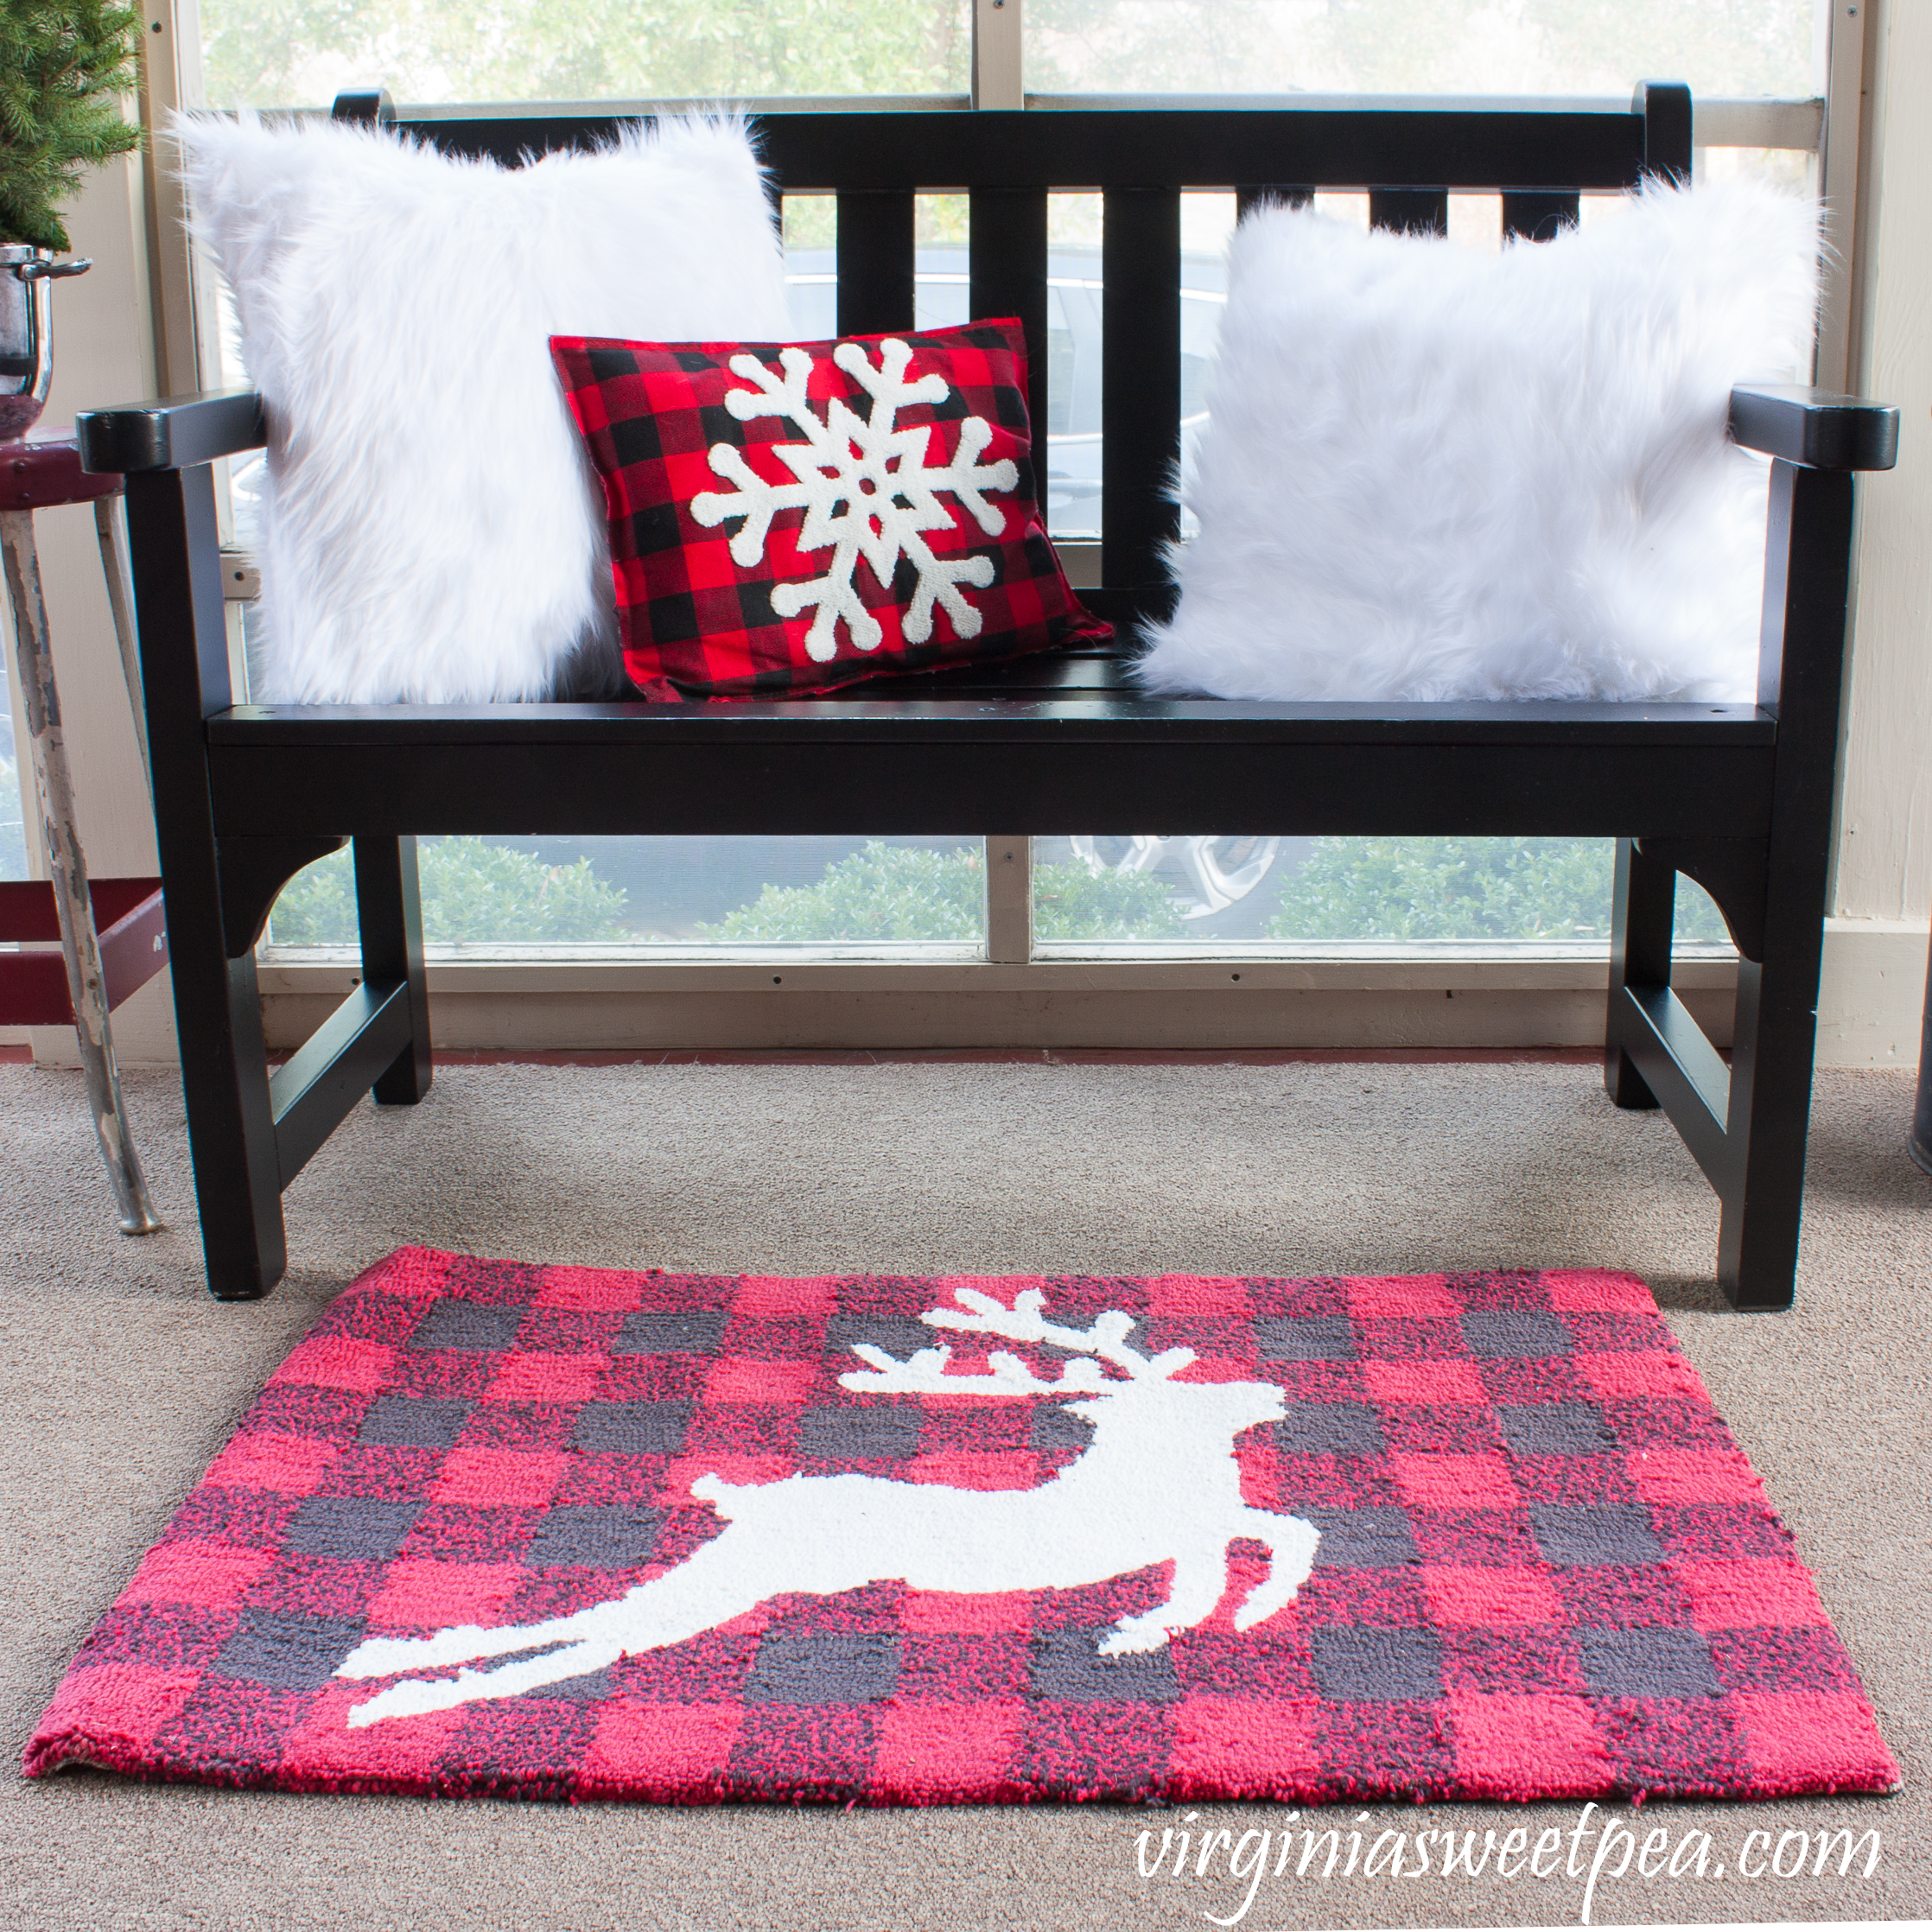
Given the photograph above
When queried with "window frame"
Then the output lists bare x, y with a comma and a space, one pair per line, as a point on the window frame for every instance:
529, 995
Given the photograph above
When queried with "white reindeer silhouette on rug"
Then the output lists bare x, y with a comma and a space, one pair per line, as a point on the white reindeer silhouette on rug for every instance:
1159, 1482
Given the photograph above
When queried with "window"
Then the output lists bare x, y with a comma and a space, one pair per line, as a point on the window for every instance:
1758, 68
270, 53
1731, 48
13, 814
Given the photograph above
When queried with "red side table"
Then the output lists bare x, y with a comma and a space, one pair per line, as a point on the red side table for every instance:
99, 968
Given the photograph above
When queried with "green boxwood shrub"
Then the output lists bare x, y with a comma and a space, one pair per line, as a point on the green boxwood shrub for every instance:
1384, 889
1465, 888
909, 892
1072, 903
473, 893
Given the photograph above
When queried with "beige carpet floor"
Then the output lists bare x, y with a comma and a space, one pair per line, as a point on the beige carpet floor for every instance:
121, 1379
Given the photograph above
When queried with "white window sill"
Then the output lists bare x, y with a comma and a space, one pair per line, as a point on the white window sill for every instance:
1484, 966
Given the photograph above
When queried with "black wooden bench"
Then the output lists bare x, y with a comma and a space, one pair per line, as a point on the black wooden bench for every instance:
1737, 798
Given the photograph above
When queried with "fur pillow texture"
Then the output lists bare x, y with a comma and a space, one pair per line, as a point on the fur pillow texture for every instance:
1433, 474
430, 530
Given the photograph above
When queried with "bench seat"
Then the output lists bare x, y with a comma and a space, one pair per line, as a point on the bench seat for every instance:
1064, 757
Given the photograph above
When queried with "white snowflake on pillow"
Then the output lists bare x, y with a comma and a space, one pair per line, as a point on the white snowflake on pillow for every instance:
866, 489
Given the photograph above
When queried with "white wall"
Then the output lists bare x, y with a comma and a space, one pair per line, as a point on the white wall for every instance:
1876, 941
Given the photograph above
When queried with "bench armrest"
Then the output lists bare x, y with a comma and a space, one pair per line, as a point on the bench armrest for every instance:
1812, 428
1809, 427
176, 432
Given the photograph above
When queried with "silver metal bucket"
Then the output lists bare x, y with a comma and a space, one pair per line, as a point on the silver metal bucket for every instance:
27, 331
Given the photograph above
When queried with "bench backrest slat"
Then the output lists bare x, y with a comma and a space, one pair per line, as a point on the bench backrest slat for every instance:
1139, 393
1006, 266
1538, 216
1409, 211
1250, 195
1352, 149
874, 261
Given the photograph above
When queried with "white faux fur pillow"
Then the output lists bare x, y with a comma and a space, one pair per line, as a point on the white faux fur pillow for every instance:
431, 532
1433, 474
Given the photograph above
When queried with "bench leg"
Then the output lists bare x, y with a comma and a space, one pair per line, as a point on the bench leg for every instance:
1774, 1042
1807, 607
176, 540
1770, 1107
231, 1120
388, 906
1641, 916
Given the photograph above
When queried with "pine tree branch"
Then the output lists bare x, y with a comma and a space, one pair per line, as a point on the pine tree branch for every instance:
64, 67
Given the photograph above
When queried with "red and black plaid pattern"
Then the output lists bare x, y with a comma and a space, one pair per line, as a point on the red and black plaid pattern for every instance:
696, 624
1545, 1569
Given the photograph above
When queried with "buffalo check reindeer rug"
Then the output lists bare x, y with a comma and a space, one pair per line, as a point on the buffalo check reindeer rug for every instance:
559, 1533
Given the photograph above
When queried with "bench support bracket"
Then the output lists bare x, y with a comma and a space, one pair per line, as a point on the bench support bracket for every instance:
253, 872
1733, 871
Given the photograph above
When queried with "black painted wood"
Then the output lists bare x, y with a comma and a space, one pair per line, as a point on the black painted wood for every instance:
1812, 428
1063, 777
1643, 903
1737, 796
1540, 217
1140, 401
1807, 609
1665, 109
174, 542
313, 1091
1733, 871
365, 106
253, 872
389, 913
1250, 195
1006, 266
1145, 146
173, 433
875, 294
1679, 1064
1106, 718
1409, 211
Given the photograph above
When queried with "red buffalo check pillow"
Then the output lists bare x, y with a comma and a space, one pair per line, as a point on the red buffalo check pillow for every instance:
786, 520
